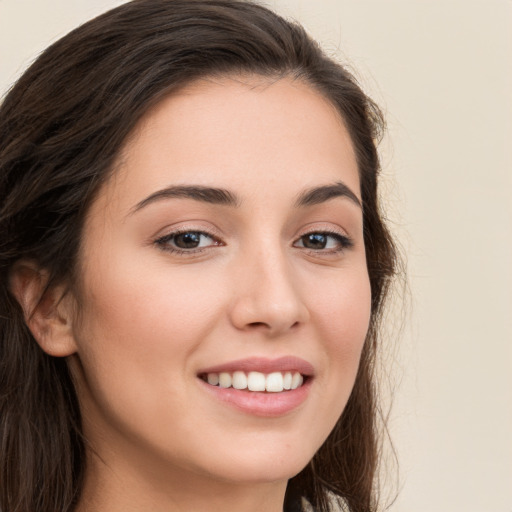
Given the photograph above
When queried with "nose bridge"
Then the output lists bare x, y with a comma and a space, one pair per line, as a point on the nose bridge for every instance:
267, 293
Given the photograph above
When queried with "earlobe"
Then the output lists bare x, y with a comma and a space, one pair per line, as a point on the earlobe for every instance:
48, 312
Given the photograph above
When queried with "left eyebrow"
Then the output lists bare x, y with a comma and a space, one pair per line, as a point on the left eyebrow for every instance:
322, 194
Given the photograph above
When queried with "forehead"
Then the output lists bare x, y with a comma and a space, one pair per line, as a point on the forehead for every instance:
249, 133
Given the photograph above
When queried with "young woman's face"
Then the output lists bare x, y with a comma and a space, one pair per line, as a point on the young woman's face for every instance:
228, 245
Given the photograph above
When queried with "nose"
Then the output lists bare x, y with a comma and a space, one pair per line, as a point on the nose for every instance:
267, 296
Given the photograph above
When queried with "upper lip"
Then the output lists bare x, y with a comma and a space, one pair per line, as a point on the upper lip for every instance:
263, 365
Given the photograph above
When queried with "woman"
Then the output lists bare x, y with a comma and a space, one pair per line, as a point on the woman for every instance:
193, 267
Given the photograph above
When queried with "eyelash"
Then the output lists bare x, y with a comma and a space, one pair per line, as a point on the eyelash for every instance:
163, 242
343, 242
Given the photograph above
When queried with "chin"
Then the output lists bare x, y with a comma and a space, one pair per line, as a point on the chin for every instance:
263, 463
260, 472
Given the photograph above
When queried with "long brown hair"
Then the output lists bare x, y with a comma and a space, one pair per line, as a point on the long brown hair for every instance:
61, 127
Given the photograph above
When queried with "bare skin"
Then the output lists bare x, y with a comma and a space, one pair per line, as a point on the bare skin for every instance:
278, 270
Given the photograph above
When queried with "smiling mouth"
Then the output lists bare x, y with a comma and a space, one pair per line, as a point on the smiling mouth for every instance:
275, 382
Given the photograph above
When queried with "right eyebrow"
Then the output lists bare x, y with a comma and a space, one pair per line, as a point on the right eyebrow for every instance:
210, 195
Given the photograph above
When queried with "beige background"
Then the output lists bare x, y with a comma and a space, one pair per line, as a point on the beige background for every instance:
442, 69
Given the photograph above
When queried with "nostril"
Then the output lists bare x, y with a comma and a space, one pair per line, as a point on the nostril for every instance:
258, 324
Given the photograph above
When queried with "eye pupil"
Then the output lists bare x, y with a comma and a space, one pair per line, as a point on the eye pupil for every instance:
189, 240
314, 241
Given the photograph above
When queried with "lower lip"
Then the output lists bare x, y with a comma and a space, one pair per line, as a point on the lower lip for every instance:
259, 403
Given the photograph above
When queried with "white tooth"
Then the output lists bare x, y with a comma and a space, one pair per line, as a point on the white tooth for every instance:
287, 380
256, 381
274, 382
224, 380
297, 380
239, 380
213, 379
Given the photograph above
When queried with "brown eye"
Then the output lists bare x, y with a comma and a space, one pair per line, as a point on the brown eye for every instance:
189, 240
314, 241
186, 241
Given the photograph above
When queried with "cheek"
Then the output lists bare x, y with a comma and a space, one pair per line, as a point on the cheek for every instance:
343, 311
342, 315
133, 304
139, 327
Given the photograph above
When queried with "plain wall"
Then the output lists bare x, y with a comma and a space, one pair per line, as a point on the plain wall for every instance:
442, 70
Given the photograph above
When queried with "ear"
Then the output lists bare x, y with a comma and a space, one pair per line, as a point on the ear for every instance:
48, 312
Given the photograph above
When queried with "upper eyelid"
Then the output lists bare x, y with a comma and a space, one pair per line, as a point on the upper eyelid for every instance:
173, 231
214, 234
330, 230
